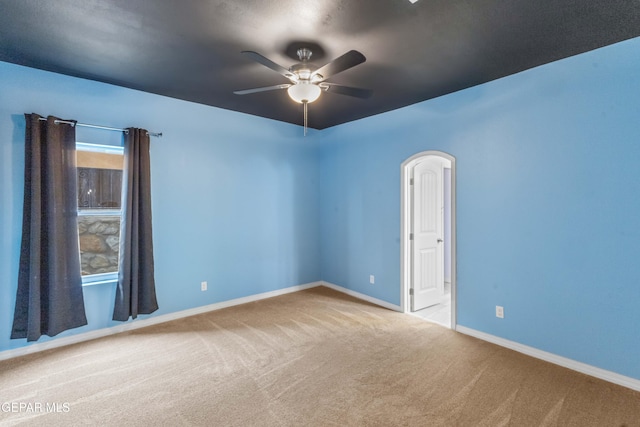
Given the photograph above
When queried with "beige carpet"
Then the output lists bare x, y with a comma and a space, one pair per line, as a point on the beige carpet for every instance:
312, 358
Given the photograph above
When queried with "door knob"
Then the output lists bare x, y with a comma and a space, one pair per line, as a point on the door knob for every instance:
440, 240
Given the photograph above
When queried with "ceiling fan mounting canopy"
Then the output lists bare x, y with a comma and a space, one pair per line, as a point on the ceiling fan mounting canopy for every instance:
304, 54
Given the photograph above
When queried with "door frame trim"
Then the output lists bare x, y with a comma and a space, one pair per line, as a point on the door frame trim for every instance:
405, 224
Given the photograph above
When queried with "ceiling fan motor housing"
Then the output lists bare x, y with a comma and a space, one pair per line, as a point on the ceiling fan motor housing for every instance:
304, 71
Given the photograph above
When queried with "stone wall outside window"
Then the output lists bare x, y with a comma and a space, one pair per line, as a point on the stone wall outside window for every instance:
99, 243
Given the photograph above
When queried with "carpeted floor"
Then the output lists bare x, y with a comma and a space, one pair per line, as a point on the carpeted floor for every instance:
311, 358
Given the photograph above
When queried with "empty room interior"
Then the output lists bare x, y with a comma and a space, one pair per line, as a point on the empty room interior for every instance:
384, 212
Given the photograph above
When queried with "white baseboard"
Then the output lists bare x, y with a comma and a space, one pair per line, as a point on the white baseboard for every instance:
142, 323
603, 374
364, 297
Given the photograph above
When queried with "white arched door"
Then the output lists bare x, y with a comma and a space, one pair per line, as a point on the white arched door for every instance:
427, 236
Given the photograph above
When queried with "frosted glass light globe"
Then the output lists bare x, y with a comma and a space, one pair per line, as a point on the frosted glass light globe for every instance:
304, 92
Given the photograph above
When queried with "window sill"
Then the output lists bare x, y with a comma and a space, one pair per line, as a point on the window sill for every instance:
99, 279
99, 282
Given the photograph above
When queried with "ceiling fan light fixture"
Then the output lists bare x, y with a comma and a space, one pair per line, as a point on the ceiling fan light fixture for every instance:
308, 81
304, 92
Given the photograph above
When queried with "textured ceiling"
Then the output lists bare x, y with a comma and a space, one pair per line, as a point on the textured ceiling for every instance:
190, 49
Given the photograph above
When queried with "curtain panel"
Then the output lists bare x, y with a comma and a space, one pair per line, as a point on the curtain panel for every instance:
136, 292
49, 298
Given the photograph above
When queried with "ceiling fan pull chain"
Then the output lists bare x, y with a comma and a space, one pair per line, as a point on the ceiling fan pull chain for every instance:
304, 103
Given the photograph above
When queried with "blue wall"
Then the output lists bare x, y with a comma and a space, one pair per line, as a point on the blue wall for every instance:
548, 203
234, 196
548, 199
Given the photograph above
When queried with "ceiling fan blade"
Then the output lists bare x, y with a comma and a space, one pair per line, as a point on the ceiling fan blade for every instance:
269, 64
346, 90
344, 62
261, 89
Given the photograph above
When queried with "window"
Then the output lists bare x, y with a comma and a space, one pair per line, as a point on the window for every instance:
99, 210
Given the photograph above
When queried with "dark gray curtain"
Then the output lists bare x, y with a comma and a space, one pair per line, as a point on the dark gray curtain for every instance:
49, 298
136, 291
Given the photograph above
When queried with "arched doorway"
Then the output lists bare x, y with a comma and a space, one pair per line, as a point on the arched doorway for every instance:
428, 237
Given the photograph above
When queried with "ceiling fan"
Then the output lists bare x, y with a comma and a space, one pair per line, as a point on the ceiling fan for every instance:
307, 80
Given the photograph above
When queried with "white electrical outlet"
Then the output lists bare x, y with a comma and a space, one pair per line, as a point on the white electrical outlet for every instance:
372, 279
500, 311
203, 286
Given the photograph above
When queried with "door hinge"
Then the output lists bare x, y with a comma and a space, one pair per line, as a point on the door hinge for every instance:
410, 236
411, 291
411, 181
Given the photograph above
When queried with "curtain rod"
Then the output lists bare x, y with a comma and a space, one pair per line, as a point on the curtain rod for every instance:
159, 134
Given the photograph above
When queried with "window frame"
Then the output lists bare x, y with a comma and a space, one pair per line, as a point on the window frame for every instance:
100, 278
